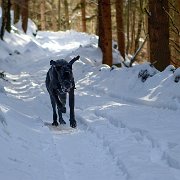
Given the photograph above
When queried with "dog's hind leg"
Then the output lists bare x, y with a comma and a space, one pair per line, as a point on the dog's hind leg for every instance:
53, 103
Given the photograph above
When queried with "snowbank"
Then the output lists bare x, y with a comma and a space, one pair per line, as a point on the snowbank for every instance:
140, 84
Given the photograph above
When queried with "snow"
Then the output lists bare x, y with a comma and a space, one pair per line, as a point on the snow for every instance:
128, 126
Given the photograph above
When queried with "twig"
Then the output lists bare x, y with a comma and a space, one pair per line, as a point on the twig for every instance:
171, 20
175, 63
174, 42
176, 48
147, 12
90, 1
174, 8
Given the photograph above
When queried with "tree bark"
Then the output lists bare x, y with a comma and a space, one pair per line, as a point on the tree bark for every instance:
42, 9
24, 14
6, 17
176, 50
54, 19
16, 7
105, 31
140, 21
158, 29
120, 27
83, 14
128, 43
8, 25
66, 6
133, 22
59, 14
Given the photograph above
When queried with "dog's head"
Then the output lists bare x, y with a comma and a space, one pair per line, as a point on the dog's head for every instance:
64, 73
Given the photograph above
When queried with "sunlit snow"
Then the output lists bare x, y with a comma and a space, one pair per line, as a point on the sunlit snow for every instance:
127, 129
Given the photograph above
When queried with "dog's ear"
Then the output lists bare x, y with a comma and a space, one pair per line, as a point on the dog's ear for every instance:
73, 60
52, 63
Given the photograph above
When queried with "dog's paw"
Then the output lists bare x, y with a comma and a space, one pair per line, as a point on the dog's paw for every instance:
73, 123
55, 123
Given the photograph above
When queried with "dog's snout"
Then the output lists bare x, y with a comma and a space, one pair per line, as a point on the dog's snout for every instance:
66, 86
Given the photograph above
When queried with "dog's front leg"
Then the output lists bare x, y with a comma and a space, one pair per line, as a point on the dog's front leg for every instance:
53, 103
58, 102
72, 120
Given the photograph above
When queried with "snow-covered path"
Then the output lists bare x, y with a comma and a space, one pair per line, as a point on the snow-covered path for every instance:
140, 150
116, 138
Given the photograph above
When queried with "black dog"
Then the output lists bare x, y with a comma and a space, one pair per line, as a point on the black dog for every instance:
59, 82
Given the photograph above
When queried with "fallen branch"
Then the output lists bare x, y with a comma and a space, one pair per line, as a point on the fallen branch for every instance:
133, 59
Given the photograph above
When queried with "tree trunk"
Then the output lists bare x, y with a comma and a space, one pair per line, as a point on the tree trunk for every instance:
120, 27
59, 14
100, 31
54, 19
140, 21
6, 17
67, 25
42, 9
83, 14
24, 14
4, 20
8, 25
105, 31
176, 49
133, 21
128, 9
158, 29
16, 7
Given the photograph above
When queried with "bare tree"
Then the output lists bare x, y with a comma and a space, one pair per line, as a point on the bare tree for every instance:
43, 19
120, 27
6, 17
24, 14
128, 22
16, 8
105, 30
83, 14
59, 14
133, 17
53, 15
175, 31
66, 6
158, 29
139, 27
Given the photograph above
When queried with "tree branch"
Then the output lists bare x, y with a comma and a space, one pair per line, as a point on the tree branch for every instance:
171, 20
133, 59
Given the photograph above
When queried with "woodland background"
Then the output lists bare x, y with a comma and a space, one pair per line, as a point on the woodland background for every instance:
145, 29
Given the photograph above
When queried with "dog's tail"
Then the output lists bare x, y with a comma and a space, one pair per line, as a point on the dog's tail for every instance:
73, 60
